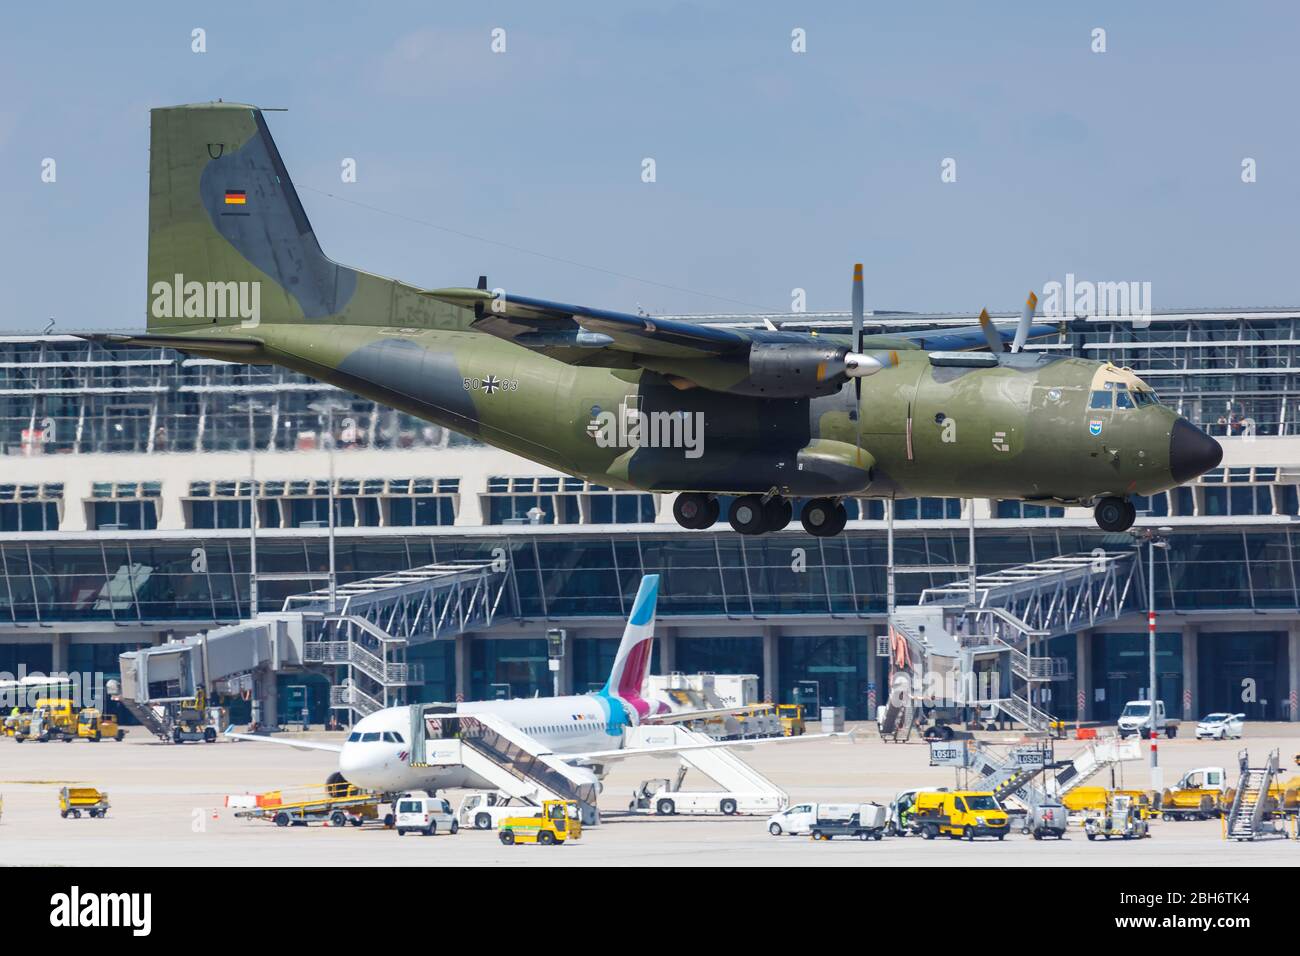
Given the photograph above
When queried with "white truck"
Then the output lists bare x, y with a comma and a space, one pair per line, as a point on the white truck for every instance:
805, 817
485, 809
418, 812
1136, 719
659, 797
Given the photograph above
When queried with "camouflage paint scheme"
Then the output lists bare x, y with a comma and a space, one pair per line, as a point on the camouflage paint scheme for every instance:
1019, 429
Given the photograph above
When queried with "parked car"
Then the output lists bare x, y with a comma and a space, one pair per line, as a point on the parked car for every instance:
1219, 726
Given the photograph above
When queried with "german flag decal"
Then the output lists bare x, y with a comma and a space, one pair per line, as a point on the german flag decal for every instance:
235, 197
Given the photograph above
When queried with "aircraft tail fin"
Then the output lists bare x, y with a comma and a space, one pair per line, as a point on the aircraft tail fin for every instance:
229, 240
632, 662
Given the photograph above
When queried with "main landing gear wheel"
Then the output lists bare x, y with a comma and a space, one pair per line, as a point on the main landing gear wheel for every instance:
748, 515
823, 517
1115, 514
695, 511
777, 513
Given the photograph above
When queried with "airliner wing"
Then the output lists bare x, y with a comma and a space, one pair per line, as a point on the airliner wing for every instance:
297, 744
683, 715
623, 754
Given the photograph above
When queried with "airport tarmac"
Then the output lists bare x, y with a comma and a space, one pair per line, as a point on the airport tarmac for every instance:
167, 809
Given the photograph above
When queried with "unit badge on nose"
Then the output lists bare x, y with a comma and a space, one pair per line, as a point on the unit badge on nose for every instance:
1094, 427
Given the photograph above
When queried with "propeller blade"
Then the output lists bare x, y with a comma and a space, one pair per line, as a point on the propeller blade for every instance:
1026, 317
858, 302
991, 333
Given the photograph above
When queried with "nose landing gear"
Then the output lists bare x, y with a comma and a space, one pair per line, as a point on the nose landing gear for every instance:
1114, 514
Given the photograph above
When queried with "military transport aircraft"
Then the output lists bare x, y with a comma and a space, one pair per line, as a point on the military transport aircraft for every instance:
633, 401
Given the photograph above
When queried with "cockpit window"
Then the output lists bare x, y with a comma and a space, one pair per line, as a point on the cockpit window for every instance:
354, 737
1145, 398
369, 738
393, 737
1100, 399
1123, 400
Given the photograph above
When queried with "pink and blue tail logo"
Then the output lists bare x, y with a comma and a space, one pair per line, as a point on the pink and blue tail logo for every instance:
627, 678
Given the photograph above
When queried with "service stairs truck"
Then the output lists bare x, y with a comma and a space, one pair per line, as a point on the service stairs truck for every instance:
495, 754
740, 788
1014, 776
1250, 815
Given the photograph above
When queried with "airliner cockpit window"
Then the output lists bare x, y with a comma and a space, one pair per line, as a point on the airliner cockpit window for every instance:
370, 738
354, 737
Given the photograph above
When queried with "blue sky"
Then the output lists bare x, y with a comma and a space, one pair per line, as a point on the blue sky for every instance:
775, 170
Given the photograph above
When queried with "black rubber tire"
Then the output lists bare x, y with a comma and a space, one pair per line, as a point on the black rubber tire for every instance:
209, 735
483, 821
929, 831
1172, 731
454, 828
777, 513
691, 510
281, 819
818, 517
728, 807
665, 808
546, 838
1113, 515
774, 829
747, 515
338, 819
507, 837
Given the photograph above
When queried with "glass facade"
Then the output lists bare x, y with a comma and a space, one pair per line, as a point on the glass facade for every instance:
502, 669
183, 577
720, 655
1244, 672
826, 672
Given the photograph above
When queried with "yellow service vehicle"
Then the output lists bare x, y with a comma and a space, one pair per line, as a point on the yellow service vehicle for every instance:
73, 801
1195, 796
58, 719
792, 721
95, 726
1094, 799
959, 814
559, 821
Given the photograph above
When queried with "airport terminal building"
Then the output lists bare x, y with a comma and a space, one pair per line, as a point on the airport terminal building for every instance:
130, 487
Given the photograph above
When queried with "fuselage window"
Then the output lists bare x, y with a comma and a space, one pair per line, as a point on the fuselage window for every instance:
1100, 400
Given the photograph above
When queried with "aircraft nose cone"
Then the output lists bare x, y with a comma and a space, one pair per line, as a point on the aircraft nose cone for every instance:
1191, 451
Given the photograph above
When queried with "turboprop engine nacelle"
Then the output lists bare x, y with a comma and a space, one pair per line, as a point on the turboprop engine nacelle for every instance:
803, 370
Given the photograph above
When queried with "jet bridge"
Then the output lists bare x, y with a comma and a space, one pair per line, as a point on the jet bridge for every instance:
364, 640
977, 642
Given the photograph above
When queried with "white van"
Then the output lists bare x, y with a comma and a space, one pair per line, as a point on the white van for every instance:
421, 813
802, 817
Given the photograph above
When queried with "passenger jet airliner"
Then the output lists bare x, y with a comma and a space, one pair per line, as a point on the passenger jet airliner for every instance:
585, 731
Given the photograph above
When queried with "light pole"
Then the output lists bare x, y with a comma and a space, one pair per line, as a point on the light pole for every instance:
251, 407
328, 407
1155, 538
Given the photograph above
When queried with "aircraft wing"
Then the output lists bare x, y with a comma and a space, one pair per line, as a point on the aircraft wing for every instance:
961, 339
297, 744
626, 752
575, 333
684, 715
